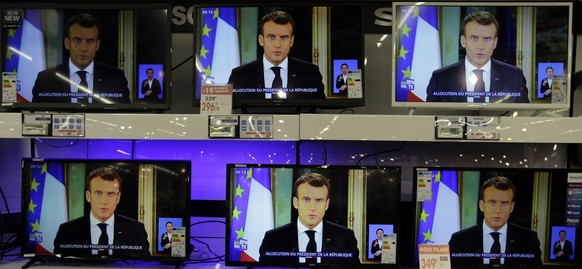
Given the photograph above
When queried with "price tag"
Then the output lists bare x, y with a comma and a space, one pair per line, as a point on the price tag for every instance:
389, 248
449, 127
9, 87
216, 99
355, 89
483, 128
179, 242
434, 257
423, 185
68, 125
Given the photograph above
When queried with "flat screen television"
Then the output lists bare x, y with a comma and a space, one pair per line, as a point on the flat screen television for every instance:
262, 206
64, 203
327, 34
546, 204
38, 73
433, 64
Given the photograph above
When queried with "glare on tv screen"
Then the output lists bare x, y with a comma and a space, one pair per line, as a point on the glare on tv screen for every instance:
106, 209
268, 222
231, 48
462, 207
82, 57
485, 55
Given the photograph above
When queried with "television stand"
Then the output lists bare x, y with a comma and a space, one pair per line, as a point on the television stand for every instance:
32, 261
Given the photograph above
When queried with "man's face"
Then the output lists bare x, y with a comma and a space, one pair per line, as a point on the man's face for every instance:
276, 41
479, 42
103, 195
311, 204
562, 236
82, 44
150, 74
344, 69
496, 206
550, 73
379, 233
169, 227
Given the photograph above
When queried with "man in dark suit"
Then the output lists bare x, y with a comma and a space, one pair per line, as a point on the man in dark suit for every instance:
310, 233
166, 241
563, 248
376, 248
546, 87
341, 82
151, 86
478, 78
275, 75
496, 241
81, 79
102, 232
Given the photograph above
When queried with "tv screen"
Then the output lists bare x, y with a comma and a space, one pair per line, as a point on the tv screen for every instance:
106, 210
231, 48
482, 55
538, 219
348, 208
76, 57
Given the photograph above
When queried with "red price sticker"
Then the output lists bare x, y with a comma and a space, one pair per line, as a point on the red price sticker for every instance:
434, 256
216, 99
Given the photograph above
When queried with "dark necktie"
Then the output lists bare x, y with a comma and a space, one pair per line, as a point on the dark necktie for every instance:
311, 246
479, 86
83, 87
277, 82
103, 239
495, 248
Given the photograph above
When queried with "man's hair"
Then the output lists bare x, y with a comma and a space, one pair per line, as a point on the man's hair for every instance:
500, 183
278, 17
344, 64
549, 67
482, 18
562, 231
86, 21
379, 229
314, 180
106, 173
149, 68
169, 222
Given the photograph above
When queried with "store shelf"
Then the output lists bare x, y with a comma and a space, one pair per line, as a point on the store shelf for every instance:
421, 128
150, 126
313, 127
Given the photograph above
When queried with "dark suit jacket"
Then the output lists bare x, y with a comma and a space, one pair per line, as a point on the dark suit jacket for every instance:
505, 78
339, 81
107, 80
375, 247
128, 232
156, 89
301, 75
568, 250
336, 238
544, 87
165, 241
519, 241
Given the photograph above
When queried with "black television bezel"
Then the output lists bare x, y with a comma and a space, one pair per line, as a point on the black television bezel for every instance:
491, 106
544, 255
139, 106
34, 257
311, 103
363, 263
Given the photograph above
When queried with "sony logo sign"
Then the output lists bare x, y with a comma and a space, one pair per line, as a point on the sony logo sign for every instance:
181, 15
383, 16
